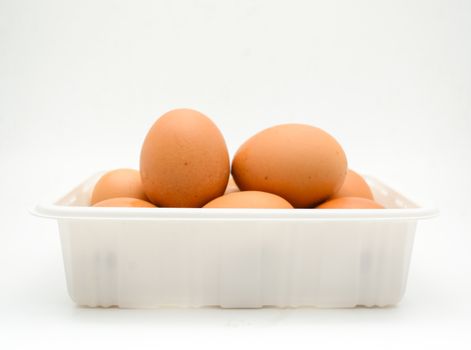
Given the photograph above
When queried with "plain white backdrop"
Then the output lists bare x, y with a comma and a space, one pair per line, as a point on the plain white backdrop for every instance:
82, 81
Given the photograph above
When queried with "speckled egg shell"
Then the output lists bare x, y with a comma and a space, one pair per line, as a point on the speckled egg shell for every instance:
124, 202
184, 160
350, 203
118, 183
353, 186
250, 199
301, 163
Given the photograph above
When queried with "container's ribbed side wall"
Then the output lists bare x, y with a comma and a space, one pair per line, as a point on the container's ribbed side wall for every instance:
236, 264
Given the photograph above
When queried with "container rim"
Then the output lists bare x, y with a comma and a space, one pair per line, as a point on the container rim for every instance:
223, 214
55, 209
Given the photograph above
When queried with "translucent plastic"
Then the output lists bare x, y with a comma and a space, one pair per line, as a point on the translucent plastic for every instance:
238, 258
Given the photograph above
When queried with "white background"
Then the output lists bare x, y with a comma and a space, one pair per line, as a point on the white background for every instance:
82, 81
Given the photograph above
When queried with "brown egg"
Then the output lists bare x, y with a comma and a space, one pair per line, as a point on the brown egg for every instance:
353, 186
184, 160
350, 203
249, 199
298, 162
118, 183
124, 202
231, 186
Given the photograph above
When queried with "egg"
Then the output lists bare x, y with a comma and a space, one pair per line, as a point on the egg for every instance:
301, 163
231, 186
184, 160
353, 186
250, 199
124, 202
350, 203
118, 183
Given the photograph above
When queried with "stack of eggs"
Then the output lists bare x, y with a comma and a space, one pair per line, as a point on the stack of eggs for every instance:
185, 163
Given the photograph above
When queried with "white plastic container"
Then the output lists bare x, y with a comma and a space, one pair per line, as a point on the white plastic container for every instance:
237, 258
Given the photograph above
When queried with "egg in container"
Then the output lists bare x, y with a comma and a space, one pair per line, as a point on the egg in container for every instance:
301, 163
184, 160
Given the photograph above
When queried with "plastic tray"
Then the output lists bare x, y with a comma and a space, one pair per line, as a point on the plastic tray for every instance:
236, 258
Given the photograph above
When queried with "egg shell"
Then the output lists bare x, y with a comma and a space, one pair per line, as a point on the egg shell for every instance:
353, 186
350, 203
184, 160
301, 163
250, 199
124, 202
118, 183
